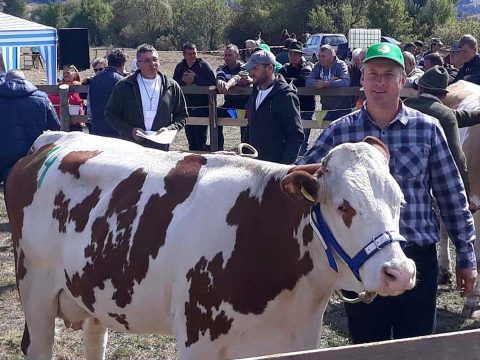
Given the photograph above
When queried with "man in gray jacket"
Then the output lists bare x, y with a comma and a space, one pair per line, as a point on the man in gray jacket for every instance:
331, 72
147, 100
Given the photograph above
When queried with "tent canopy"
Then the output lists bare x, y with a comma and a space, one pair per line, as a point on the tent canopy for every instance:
16, 32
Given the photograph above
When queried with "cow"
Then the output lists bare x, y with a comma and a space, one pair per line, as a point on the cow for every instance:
464, 95
217, 250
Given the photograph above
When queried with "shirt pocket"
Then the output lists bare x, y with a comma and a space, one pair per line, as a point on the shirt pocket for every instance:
409, 162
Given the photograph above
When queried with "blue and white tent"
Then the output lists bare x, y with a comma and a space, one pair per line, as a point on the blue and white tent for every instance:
16, 32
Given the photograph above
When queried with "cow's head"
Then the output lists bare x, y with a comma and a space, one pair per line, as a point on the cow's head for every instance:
359, 201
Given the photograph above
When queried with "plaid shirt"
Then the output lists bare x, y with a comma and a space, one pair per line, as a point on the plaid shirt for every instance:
422, 164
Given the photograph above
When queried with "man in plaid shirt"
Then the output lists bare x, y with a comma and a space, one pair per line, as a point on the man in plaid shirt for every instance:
422, 164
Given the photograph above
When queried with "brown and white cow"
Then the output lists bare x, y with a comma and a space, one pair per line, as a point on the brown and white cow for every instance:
216, 250
465, 95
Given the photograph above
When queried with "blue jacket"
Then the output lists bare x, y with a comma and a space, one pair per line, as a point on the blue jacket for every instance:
25, 112
100, 89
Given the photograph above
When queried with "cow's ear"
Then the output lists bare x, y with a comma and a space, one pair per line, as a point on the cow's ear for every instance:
379, 145
301, 186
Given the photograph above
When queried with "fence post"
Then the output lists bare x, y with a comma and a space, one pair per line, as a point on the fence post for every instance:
64, 113
212, 117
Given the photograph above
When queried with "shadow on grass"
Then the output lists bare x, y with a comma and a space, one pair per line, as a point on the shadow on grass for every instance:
9, 287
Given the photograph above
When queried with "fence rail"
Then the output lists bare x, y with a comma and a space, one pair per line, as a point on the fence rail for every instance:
450, 346
212, 121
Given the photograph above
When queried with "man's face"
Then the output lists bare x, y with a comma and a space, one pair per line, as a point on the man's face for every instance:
230, 57
409, 66
468, 53
456, 59
148, 64
295, 58
190, 55
261, 74
382, 80
325, 58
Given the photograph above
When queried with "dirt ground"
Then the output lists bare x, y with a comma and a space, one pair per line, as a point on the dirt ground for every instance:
123, 346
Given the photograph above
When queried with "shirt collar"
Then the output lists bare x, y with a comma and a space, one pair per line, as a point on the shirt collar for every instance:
401, 117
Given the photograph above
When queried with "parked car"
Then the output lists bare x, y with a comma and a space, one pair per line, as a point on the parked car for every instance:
312, 46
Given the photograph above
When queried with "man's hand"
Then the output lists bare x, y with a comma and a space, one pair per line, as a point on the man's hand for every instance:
320, 84
161, 130
222, 87
188, 77
466, 281
135, 136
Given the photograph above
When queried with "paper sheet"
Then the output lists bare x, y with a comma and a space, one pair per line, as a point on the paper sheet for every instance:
165, 137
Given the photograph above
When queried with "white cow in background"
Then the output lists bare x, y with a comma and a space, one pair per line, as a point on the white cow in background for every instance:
216, 250
464, 95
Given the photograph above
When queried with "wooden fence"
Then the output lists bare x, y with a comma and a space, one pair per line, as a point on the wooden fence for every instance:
212, 121
463, 345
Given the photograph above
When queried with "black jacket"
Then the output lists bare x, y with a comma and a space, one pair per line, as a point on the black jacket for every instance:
124, 109
99, 91
299, 76
25, 112
470, 71
204, 77
275, 128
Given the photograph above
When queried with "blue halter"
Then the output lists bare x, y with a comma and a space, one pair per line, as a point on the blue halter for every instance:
331, 244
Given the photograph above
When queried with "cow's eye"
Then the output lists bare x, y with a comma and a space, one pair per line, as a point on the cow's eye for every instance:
342, 208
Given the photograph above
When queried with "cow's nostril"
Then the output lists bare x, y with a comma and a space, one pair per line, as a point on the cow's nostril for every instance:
389, 274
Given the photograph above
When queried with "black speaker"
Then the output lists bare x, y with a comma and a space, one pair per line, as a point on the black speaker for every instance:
73, 48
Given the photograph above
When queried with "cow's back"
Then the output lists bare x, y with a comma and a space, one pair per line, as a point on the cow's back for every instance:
124, 223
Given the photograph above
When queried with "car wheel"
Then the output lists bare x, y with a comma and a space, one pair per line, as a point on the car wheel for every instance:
314, 58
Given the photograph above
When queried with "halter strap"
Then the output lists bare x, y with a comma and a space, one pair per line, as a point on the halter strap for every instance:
330, 244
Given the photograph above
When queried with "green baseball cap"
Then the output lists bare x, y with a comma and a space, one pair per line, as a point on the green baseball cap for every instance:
385, 50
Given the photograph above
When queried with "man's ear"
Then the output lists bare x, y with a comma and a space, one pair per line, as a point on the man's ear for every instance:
379, 145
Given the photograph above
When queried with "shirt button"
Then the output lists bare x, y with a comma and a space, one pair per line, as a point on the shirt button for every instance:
383, 132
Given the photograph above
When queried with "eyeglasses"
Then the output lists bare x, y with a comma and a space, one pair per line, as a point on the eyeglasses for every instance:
99, 69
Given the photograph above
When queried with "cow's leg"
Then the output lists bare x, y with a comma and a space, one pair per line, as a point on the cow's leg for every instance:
95, 337
39, 302
445, 273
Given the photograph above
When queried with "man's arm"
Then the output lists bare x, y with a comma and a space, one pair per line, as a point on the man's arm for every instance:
114, 112
52, 122
206, 76
323, 145
447, 187
466, 118
311, 80
179, 115
343, 79
289, 112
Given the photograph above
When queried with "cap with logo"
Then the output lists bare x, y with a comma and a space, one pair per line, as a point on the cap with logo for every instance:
385, 50
260, 57
435, 78
436, 41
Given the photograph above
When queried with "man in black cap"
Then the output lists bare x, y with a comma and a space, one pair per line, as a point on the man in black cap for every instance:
432, 89
297, 71
282, 57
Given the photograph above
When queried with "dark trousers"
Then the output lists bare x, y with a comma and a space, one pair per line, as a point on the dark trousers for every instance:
408, 315
197, 134
305, 115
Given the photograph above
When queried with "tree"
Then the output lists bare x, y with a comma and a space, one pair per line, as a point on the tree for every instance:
51, 15
391, 16
95, 16
15, 7
139, 21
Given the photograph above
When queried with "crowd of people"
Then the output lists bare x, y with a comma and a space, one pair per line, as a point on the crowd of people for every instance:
427, 158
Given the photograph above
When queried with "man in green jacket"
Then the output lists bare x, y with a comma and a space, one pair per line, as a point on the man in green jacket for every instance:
432, 89
147, 100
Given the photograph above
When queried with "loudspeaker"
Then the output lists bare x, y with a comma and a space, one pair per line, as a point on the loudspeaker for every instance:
73, 48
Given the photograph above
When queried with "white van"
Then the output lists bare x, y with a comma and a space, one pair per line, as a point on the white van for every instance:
312, 46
